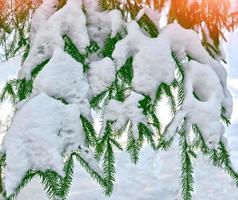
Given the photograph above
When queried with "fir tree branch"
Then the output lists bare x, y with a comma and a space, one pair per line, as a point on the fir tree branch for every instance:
133, 148
91, 172
90, 134
187, 168
109, 45
108, 168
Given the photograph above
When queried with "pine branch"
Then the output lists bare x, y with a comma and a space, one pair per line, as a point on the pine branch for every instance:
133, 148
109, 45
225, 161
106, 150
99, 100
51, 183
118, 87
71, 49
109, 169
187, 169
149, 110
2, 165
144, 22
27, 178
220, 157
8, 91
224, 118
90, 134
68, 178
148, 134
91, 172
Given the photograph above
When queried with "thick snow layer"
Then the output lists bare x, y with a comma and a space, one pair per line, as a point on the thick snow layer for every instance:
201, 80
41, 130
101, 74
102, 24
44, 11
152, 63
49, 35
121, 113
62, 77
187, 42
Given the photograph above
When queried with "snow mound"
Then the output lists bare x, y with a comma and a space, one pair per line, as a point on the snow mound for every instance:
62, 77
152, 63
200, 79
187, 42
49, 35
101, 74
102, 24
42, 13
42, 129
121, 113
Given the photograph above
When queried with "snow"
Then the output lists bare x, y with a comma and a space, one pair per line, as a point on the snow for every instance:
42, 13
62, 77
49, 35
44, 128
8, 70
102, 24
41, 130
157, 173
153, 15
152, 63
187, 42
121, 113
101, 74
205, 112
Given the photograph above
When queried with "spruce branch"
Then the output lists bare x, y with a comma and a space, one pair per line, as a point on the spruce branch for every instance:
145, 132
27, 178
66, 181
108, 168
109, 45
133, 148
106, 151
72, 50
187, 168
90, 134
118, 87
2, 165
91, 172
220, 157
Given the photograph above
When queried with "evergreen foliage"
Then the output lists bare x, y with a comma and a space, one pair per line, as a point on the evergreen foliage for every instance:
105, 146
187, 168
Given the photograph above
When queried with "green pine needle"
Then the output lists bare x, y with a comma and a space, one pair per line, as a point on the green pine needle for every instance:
109, 45
133, 148
187, 170
90, 134
109, 169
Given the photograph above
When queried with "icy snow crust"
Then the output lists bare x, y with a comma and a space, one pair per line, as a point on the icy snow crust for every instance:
63, 77
121, 113
42, 129
49, 35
